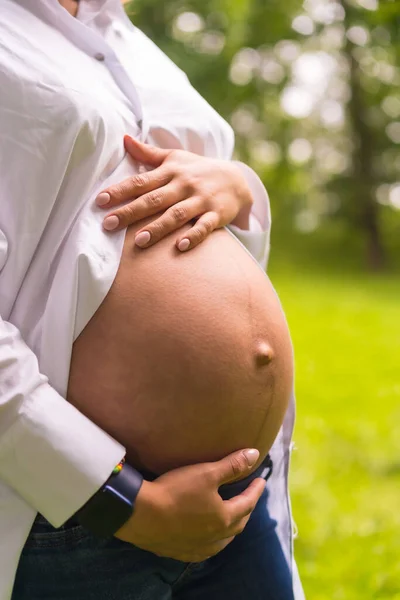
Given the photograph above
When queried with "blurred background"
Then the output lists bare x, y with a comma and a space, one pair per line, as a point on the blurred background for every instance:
312, 90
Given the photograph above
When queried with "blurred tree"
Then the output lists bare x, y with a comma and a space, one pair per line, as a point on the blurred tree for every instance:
312, 92
363, 48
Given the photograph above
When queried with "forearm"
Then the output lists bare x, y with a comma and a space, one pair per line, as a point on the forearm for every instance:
50, 454
254, 227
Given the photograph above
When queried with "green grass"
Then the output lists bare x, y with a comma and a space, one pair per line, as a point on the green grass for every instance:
345, 478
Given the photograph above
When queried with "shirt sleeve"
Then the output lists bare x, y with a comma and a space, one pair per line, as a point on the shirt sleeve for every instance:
257, 238
50, 454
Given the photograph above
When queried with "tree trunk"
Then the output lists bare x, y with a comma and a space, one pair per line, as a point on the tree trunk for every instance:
363, 163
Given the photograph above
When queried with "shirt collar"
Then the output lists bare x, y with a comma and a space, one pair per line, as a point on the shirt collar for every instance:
88, 9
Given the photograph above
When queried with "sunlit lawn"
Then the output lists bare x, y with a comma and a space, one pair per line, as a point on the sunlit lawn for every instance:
345, 478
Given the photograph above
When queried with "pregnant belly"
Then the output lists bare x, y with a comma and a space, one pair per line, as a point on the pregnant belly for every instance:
188, 358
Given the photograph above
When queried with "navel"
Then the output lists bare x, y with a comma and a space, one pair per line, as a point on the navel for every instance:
264, 354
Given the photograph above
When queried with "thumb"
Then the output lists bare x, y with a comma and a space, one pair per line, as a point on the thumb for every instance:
235, 466
145, 153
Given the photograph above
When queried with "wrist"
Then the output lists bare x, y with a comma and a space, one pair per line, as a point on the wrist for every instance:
242, 219
144, 500
113, 504
150, 518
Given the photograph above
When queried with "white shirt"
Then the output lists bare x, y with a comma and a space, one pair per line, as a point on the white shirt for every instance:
70, 88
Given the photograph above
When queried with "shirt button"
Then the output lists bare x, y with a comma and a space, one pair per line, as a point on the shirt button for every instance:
99, 56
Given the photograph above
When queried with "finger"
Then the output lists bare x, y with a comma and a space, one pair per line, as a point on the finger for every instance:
233, 530
145, 153
205, 225
238, 526
133, 187
149, 204
242, 505
176, 216
234, 466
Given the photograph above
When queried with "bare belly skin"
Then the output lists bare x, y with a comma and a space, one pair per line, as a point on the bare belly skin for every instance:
189, 356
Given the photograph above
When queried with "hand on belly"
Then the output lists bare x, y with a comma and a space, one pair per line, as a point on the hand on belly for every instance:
188, 358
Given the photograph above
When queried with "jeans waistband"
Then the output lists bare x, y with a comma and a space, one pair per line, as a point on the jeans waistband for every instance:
229, 490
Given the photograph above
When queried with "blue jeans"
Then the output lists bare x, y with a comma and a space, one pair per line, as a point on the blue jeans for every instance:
71, 564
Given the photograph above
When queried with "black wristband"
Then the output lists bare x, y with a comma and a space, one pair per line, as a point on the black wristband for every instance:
113, 504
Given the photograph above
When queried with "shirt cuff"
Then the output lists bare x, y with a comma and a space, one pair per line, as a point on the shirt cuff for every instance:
54, 457
257, 238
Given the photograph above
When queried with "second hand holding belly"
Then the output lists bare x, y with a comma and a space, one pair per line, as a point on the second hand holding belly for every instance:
180, 515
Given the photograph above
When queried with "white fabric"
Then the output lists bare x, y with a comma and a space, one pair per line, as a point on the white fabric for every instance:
69, 90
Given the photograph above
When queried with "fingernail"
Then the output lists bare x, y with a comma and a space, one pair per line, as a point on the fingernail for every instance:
252, 456
103, 199
142, 239
184, 244
111, 223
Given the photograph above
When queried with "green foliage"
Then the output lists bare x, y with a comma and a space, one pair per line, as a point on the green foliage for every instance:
346, 469
312, 91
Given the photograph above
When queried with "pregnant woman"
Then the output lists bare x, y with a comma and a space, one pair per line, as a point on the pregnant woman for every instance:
166, 338
195, 359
